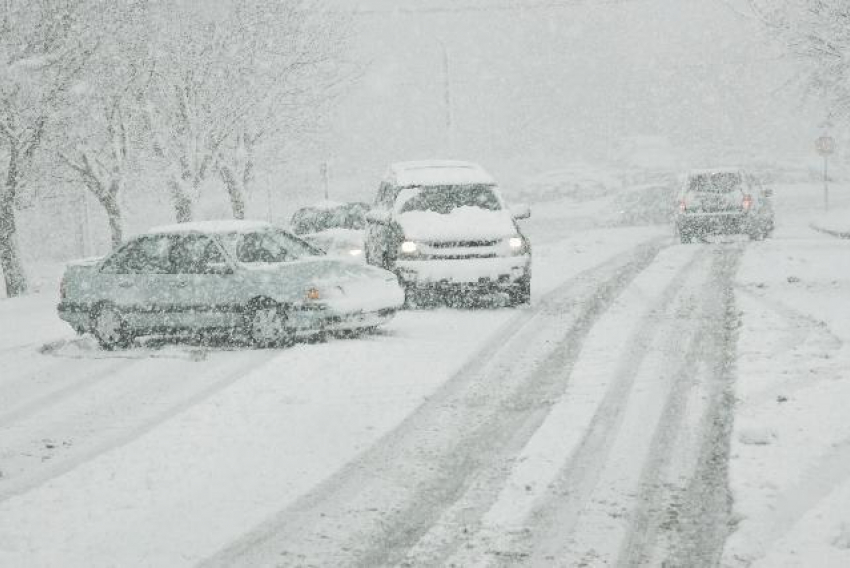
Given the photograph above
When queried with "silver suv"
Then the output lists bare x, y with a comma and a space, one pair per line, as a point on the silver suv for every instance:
444, 228
723, 201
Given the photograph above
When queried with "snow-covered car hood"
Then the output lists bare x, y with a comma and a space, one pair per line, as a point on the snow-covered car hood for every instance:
463, 223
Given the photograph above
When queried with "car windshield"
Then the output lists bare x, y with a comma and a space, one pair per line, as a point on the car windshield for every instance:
720, 182
446, 198
267, 246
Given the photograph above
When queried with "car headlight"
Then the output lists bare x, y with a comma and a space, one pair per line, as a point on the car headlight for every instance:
355, 252
409, 247
515, 243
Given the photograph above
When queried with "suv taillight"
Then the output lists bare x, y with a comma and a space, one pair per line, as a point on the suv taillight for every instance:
683, 206
747, 203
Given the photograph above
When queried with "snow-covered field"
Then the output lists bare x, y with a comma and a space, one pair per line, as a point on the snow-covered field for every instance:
584, 430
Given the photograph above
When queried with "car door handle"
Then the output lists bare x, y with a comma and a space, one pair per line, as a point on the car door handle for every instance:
126, 283
181, 284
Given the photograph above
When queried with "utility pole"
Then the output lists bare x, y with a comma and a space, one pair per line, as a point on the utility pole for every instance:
825, 146
324, 170
447, 98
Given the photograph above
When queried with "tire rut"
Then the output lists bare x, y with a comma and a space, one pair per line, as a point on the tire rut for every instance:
11, 487
667, 511
696, 542
556, 519
397, 490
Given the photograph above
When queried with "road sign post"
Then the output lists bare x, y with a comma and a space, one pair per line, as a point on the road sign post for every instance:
825, 146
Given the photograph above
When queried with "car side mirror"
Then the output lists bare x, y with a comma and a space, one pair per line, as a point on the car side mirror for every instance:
768, 192
520, 212
378, 216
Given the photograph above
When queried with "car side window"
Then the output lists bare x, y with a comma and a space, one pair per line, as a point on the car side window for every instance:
145, 255
194, 254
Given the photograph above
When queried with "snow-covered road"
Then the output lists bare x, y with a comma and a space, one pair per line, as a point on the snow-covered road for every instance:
593, 428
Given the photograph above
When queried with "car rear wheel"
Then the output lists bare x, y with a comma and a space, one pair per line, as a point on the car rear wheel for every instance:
109, 327
266, 325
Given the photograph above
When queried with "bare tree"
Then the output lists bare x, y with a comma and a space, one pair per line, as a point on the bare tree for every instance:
224, 85
99, 136
817, 32
43, 48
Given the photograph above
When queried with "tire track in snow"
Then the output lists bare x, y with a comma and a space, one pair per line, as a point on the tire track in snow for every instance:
373, 510
565, 464
111, 434
683, 512
507, 500
41, 403
603, 510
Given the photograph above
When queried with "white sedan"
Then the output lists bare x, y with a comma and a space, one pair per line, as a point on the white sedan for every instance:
243, 275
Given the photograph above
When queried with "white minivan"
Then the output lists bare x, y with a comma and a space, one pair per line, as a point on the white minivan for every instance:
443, 227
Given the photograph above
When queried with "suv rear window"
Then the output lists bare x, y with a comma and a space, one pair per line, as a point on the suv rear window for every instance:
721, 182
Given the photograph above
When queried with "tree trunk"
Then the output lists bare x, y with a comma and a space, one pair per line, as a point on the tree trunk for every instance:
182, 201
13, 271
113, 214
237, 197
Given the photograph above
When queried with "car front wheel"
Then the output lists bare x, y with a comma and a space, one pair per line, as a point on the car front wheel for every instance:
266, 325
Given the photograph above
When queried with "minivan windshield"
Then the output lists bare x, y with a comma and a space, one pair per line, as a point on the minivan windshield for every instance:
720, 182
446, 198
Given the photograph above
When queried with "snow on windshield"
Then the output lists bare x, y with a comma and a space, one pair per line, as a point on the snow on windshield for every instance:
444, 199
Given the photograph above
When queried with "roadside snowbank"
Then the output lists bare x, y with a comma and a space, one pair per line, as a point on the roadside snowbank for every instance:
790, 453
835, 223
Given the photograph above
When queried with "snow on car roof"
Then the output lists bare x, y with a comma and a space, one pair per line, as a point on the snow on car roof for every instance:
218, 226
438, 172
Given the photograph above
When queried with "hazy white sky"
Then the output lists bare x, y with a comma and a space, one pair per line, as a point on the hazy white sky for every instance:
534, 85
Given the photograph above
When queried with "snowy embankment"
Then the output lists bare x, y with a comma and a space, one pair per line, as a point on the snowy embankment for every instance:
216, 441
790, 455
835, 223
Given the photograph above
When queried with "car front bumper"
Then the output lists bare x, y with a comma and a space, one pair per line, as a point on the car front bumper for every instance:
311, 321
494, 273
